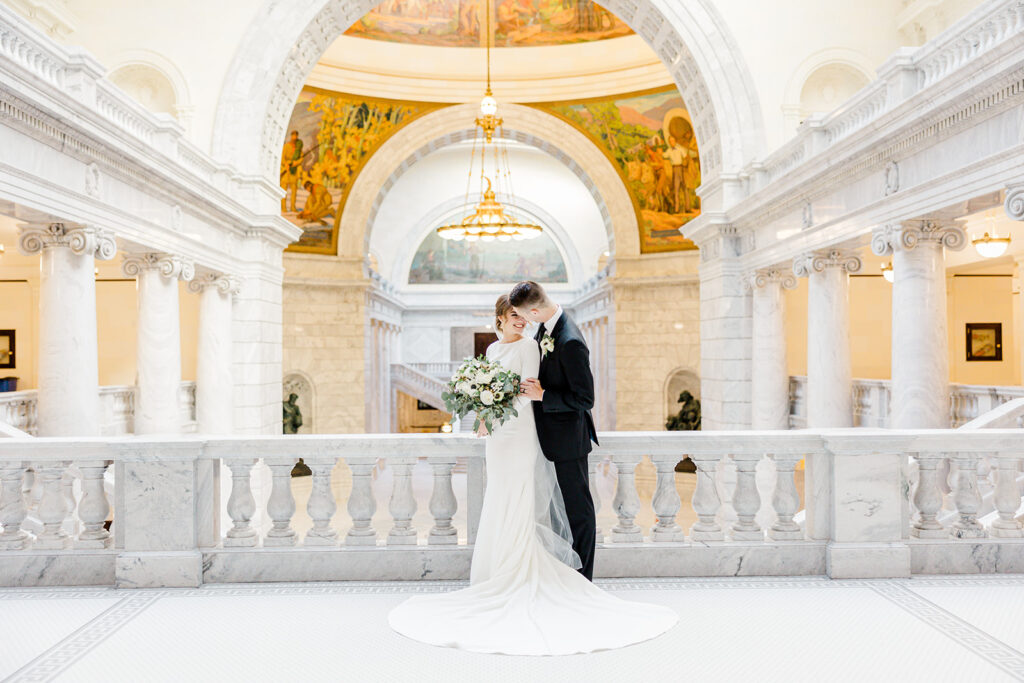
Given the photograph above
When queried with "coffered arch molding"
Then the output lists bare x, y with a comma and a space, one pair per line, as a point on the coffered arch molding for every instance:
525, 124
287, 38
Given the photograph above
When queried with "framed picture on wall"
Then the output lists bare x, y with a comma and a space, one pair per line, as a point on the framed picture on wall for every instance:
984, 341
6, 348
420, 405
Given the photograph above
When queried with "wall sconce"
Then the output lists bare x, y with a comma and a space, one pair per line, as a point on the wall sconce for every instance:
887, 272
446, 428
1, 250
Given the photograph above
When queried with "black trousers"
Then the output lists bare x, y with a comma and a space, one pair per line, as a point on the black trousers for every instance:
574, 480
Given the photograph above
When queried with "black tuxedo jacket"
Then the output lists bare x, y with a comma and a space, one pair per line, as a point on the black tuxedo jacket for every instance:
564, 423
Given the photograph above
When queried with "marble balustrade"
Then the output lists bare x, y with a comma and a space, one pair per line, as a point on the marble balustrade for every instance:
882, 505
117, 409
872, 398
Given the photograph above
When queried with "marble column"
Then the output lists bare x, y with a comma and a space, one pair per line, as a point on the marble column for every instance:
1014, 207
829, 380
769, 380
920, 338
68, 403
214, 379
158, 350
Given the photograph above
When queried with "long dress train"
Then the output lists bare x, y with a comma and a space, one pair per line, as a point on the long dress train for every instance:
522, 600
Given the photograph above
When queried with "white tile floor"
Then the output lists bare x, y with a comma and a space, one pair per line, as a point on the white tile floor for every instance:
801, 629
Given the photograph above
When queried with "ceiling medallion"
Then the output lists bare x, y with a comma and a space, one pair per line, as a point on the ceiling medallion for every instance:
488, 221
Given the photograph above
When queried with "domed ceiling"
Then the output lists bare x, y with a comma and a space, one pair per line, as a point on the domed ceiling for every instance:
514, 23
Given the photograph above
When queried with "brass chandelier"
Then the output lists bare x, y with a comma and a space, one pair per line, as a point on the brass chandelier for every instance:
488, 221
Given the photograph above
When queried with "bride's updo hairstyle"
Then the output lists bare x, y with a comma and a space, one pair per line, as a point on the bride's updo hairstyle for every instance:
501, 309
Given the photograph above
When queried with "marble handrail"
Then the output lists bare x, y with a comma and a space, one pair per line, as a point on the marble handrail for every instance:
117, 409
856, 496
871, 398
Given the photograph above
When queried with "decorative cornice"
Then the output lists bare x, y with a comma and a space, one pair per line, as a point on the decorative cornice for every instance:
1014, 204
82, 240
169, 266
758, 279
818, 261
909, 234
226, 284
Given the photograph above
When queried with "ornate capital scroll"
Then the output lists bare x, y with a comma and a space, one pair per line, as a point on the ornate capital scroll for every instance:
909, 234
82, 240
1014, 203
818, 261
226, 284
168, 265
764, 276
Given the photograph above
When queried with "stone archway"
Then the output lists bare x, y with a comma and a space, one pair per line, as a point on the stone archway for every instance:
287, 38
525, 124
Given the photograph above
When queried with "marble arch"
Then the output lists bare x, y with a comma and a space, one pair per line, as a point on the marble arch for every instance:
524, 123
287, 37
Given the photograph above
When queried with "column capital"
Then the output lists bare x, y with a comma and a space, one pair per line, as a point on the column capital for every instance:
1014, 203
168, 265
818, 261
762, 277
908, 234
82, 240
226, 284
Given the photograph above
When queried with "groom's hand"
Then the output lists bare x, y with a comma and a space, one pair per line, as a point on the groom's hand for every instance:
532, 389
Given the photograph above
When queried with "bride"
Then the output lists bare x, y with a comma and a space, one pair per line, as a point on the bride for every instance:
525, 596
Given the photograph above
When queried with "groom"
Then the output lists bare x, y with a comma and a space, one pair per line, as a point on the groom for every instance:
563, 394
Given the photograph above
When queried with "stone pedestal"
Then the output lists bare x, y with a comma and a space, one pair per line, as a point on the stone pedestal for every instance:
159, 340
829, 381
68, 375
920, 347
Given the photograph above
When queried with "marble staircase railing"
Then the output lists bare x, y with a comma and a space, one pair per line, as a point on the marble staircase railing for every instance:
861, 518
419, 384
871, 398
442, 370
117, 409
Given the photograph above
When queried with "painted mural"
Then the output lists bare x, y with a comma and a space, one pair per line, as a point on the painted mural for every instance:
444, 262
650, 138
457, 23
330, 137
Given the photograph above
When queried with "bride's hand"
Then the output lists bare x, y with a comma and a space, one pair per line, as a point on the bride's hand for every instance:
482, 430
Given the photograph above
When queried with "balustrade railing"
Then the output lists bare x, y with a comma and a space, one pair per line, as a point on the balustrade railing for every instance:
861, 518
117, 409
439, 369
871, 399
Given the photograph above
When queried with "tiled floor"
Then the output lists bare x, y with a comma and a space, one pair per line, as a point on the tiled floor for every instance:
801, 629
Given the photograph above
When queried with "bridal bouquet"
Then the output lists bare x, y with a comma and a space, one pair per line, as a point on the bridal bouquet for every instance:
483, 387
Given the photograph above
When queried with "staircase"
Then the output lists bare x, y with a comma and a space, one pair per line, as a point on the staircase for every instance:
424, 387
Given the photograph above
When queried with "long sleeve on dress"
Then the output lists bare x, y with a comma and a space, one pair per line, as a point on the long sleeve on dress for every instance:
529, 366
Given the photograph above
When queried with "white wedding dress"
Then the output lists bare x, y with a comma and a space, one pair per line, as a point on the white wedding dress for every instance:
522, 599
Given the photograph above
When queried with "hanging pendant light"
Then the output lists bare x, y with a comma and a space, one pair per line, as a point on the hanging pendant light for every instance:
487, 221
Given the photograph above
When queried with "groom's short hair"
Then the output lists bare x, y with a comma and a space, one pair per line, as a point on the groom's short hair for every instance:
528, 294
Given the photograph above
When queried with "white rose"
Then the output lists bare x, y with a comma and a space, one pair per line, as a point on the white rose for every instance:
462, 388
486, 397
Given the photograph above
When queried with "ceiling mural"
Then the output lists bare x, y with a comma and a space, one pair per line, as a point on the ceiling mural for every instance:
330, 137
447, 262
649, 137
515, 23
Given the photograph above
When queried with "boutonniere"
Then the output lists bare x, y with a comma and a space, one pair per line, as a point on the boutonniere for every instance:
547, 345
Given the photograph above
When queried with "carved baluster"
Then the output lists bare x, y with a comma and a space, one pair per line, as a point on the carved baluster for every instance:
595, 495
443, 505
94, 506
53, 508
1007, 497
67, 486
666, 500
967, 498
746, 500
12, 507
785, 500
241, 506
626, 502
928, 498
281, 504
321, 506
705, 500
361, 504
402, 505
